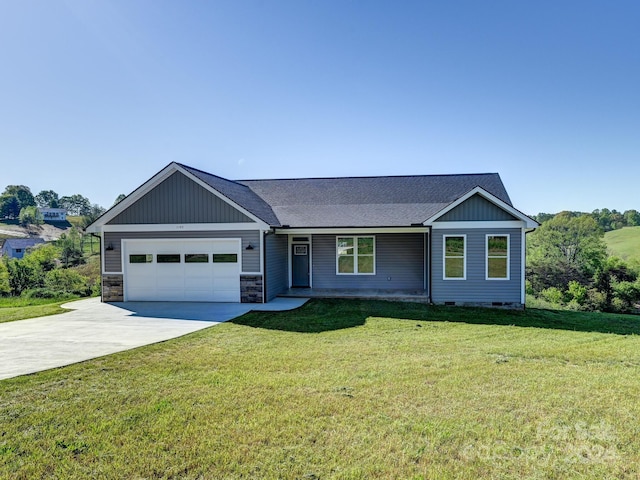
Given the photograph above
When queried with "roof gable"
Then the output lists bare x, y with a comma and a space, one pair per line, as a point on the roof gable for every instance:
468, 210
476, 208
243, 215
178, 199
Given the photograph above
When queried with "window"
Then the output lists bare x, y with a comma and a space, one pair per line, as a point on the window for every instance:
168, 258
225, 258
355, 256
497, 257
141, 258
455, 262
18, 250
196, 258
300, 250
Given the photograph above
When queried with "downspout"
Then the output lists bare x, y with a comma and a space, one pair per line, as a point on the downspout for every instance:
264, 266
430, 266
525, 231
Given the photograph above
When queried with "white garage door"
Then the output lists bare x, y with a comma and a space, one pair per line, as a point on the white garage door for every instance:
187, 270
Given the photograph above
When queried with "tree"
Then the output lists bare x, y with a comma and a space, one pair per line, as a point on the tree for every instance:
608, 279
119, 198
76, 204
92, 215
22, 193
9, 206
565, 248
23, 275
48, 198
70, 248
5, 288
30, 216
632, 218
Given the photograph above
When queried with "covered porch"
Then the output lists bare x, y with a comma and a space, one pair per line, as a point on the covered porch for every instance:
419, 296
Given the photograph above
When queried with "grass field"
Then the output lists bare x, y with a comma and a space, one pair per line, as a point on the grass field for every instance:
20, 308
624, 243
343, 390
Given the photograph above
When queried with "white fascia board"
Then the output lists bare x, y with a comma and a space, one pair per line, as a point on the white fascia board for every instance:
185, 227
349, 231
474, 225
529, 222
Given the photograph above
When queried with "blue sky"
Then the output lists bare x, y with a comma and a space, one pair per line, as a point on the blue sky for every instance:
97, 96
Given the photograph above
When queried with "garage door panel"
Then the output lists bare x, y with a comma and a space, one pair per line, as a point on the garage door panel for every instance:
208, 270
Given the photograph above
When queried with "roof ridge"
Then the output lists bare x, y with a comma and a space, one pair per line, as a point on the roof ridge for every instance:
193, 169
367, 177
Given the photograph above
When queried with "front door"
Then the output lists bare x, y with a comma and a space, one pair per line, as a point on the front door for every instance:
300, 266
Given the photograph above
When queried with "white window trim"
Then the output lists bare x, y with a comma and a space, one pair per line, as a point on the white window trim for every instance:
444, 257
486, 256
355, 254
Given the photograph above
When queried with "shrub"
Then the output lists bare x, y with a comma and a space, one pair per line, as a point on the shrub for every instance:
553, 295
596, 300
46, 293
577, 292
66, 281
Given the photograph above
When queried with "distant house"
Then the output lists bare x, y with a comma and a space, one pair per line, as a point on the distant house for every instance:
53, 214
16, 247
188, 235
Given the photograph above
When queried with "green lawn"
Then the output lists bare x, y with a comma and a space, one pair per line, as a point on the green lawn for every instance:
20, 308
345, 390
624, 243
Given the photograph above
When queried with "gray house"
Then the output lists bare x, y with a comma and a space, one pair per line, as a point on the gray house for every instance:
17, 247
188, 235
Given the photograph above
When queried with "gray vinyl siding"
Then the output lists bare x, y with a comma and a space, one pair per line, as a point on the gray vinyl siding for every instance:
250, 258
276, 252
399, 263
476, 208
176, 200
476, 289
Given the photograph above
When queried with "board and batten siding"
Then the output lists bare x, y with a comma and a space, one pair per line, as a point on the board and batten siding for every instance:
477, 208
400, 263
276, 272
179, 200
250, 258
476, 288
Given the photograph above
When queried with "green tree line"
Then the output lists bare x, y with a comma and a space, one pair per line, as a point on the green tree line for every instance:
606, 219
568, 265
17, 202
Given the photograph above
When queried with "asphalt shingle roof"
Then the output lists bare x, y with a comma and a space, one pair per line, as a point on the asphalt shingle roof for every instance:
368, 201
351, 201
22, 242
238, 193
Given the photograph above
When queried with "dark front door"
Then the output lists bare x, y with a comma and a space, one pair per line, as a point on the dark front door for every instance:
300, 266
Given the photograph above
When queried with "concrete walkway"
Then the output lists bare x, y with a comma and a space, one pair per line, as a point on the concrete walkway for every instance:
93, 329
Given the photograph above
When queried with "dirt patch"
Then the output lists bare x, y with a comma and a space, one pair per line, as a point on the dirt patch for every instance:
47, 231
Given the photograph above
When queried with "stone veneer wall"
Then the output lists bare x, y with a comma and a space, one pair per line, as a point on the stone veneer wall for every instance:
251, 288
112, 290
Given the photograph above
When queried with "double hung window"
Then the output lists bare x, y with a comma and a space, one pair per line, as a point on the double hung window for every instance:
497, 257
455, 257
355, 255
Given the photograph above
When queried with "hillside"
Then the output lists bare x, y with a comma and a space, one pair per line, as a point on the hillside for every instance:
47, 231
624, 243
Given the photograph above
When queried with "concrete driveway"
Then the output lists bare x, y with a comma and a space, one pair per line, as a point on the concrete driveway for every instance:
93, 329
